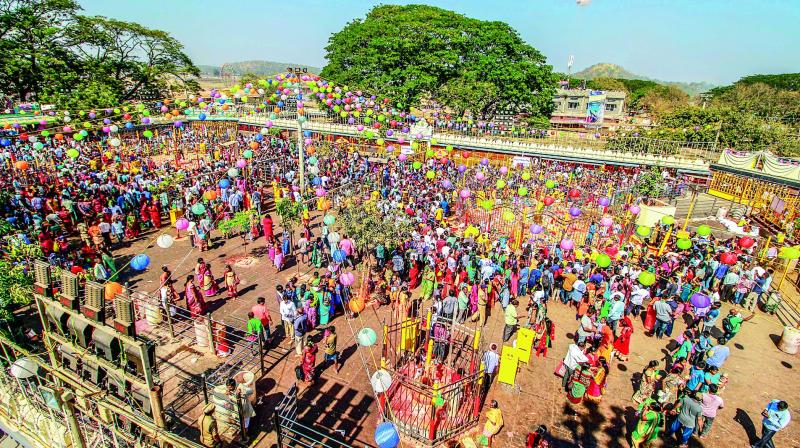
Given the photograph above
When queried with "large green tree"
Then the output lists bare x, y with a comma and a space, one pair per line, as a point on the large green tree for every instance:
416, 52
54, 54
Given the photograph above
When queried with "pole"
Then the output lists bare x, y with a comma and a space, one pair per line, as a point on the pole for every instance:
666, 239
67, 399
301, 157
278, 429
785, 272
691, 209
261, 351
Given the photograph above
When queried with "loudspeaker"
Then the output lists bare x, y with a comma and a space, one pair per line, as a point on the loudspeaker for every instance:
106, 344
57, 316
69, 358
136, 364
141, 398
92, 372
95, 302
81, 330
115, 385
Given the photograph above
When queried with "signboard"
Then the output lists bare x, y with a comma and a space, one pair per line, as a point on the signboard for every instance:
521, 161
524, 344
509, 361
407, 150
596, 106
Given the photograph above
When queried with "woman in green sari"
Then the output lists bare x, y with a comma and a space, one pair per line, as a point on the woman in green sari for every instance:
428, 283
648, 427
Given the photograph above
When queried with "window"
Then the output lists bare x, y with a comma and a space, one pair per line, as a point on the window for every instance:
611, 107
572, 105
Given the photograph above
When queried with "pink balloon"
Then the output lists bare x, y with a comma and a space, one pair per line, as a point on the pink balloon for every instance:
402, 157
347, 279
182, 224
606, 221
465, 193
503, 170
634, 209
567, 244
241, 163
480, 176
320, 192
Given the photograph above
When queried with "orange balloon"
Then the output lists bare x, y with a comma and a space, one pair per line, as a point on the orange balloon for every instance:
112, 289
211, 195
21, 165
59, 137
277, 110
357, 305
225, 107
175, 112
254, 145
167, 101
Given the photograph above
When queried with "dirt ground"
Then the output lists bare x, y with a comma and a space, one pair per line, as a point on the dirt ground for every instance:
758, 371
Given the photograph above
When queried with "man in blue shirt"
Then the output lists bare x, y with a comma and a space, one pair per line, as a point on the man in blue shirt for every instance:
776, 416
718, 354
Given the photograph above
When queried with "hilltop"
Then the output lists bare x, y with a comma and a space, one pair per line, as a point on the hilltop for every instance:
257, 67
607, 70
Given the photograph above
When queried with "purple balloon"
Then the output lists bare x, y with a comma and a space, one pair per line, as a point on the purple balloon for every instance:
603, 202
484, 161
462, 168
567, 244
389, 133
574, 212
536, 229
447, 184
700, 300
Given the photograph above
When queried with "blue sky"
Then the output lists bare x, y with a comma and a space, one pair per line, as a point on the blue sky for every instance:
676, 40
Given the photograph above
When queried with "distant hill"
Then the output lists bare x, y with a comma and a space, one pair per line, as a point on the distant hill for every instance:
606, 70
257, 67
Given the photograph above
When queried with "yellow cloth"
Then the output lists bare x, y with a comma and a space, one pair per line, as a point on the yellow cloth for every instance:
494, 421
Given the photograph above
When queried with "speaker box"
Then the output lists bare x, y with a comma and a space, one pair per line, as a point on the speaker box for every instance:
81, 330
57, 317
92, 372
136, 364
69, 358
106, 344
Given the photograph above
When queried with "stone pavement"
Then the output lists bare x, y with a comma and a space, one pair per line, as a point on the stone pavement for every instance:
758, 371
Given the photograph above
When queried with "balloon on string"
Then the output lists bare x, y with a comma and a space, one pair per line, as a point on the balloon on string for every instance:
224, 183
700, 300
465, 193
339, 255
233, 172
320, 192
704, 230
500, 184
402, 157
728, 258
526, 175
430, 174
522, 191
241, 163
347, 279
574, 211
746, 242
356, 305
210, 195
550, 184
38, 146
643, 231
446, 184
647, 278
536, 229
165, 241
462, 168
634, 209
248, 154
72, 153
668, 220
603, 202
789, 253
140, 262
606, 221
574, 193
114, 142
548, 201
508, 216
386, 435
182, 224
484, 161
329, 220
683, 244
567, 244
198, 209
603, 260
21, 165
366, 337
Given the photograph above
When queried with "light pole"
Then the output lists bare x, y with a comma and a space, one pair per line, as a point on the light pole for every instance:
301, 157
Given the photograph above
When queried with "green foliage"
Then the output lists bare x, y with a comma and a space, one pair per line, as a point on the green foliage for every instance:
240, 222
416, 52
51, 54
365, 225
16, 288
650, 184
660, 99
289, 211
785, 81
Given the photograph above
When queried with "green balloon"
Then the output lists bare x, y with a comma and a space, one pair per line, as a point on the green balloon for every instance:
329, 220
643, 231
647, 278
198, 209
603, 260
429, 153
683, 243
77, 136
522, 191
430, 174
550, 184
248, 154
704, 230
501, 184
45, 133
417, 165
668, 220
38, 146
147, 133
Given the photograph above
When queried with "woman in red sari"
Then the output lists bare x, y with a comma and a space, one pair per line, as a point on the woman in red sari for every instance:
623, 343
194, 299
309, 361
155, 215
144, 215
413, 275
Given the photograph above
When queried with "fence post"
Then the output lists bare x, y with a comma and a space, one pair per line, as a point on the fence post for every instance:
210, 331
205, 388
239, 411
261, 350
277, 423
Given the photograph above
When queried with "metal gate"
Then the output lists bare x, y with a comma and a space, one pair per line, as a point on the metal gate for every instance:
292, 433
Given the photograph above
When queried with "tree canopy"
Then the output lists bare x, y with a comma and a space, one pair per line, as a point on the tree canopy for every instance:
52, 54
415, 53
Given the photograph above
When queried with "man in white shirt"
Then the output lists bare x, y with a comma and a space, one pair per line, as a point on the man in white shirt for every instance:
288, 312
574, 357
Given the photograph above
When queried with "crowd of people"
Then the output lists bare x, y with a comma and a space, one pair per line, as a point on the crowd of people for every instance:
81, 209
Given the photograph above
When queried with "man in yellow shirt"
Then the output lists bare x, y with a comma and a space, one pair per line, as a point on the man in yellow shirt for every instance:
511, 319
494, 422
566, 288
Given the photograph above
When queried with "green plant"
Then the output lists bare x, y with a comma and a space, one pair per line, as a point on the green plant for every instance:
240, 222
650, 184
289, 211
16, 288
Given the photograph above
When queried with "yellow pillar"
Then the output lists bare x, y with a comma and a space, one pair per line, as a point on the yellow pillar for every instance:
429, 354
476, 342
691, 209
785, 272
666, 238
